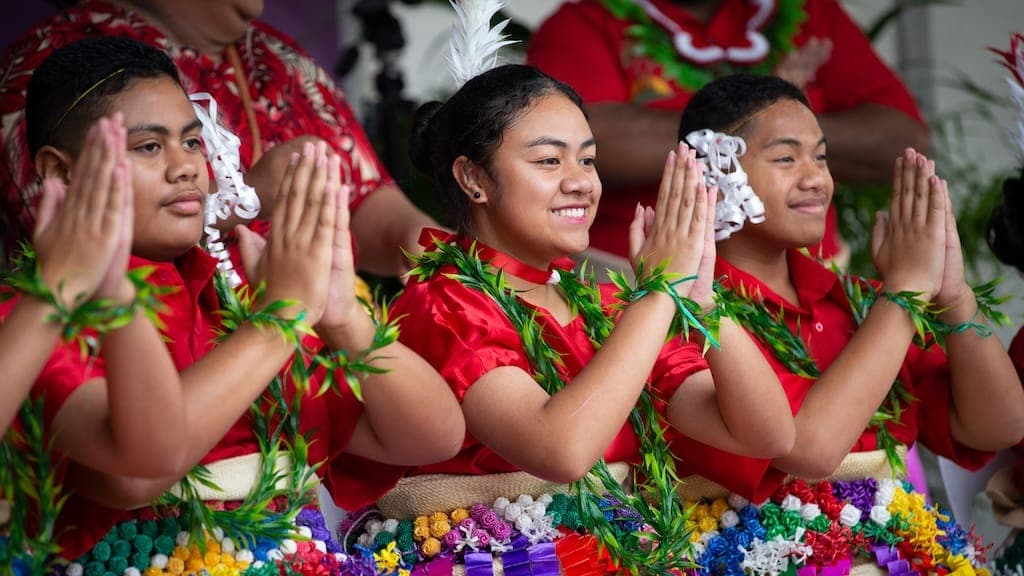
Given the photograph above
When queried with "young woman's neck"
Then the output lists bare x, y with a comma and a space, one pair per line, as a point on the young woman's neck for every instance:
770, 264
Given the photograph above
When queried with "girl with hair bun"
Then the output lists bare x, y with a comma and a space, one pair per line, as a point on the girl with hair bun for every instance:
564, 381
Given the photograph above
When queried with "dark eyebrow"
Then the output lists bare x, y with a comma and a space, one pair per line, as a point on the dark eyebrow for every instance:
787, 141
197, 124
158, 128
549, 141
162, 130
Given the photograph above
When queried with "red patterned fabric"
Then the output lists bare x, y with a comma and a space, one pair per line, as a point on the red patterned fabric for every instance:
190, 321
824, 322
292, 97
586, 46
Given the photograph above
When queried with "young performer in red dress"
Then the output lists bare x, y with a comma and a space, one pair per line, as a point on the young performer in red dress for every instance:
548, 367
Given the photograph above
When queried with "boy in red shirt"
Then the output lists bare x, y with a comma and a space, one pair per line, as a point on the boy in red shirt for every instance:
859, 387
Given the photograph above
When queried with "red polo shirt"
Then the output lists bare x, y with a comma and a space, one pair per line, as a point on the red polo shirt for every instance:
824, 322
585, 46
190, 320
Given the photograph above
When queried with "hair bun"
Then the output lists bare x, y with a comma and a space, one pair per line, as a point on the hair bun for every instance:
423, 137
1005, 231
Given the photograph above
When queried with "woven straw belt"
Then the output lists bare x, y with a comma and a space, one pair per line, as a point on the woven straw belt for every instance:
855, 466
236, 477
428, 493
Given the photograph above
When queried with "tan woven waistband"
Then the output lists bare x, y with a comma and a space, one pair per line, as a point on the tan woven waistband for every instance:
236, 477
429, 493
855, 466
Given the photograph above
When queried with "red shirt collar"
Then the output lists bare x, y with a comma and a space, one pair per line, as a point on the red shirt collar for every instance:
812, 281
195, 268
496, 258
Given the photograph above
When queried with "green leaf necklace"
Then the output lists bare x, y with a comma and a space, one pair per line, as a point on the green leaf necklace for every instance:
656, 498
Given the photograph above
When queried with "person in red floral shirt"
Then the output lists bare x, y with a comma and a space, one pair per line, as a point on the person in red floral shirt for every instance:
268, 91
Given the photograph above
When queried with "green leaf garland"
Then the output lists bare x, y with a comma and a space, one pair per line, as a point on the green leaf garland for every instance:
275, 418
788, 348
656, 497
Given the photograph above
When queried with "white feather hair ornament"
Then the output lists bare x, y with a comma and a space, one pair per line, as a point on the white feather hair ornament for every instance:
474, 44
1013, 60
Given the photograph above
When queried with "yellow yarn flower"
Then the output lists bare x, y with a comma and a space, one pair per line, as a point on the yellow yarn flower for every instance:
459, 514
421, 532
707, 524
718, 507
439, 528
431, 547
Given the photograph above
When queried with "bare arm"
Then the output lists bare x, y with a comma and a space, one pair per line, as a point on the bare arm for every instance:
864, 140
26, 341
909, 252
432, 431
385, 223
410, 392
117, 423
738, 405
632, 141
840, 404
560, 437
987, 409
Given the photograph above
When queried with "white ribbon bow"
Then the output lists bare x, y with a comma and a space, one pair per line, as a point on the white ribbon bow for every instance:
720, 154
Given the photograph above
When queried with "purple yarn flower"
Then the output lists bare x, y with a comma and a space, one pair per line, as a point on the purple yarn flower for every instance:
502, 531
477, 510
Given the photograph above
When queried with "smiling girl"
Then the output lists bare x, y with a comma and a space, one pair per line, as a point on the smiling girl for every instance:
548, 366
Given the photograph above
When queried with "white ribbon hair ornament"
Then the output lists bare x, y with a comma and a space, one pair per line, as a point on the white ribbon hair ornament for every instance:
720, 154
233, 194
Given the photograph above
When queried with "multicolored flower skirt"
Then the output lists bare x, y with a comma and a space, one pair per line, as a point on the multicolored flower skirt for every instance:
827, 528
806, 529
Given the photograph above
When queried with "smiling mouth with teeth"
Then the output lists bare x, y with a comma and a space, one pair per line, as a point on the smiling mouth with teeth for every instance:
571, 212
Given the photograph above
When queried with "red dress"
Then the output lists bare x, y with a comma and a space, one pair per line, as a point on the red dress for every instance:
190, 320
291, 95
586, 46
464, 334
826, 325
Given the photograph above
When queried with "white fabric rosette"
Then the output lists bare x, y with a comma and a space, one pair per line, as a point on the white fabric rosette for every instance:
737, 202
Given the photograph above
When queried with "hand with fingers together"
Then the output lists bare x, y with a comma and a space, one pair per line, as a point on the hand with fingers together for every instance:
295, 261
909, 244
83, 232
954, 295
676, 231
